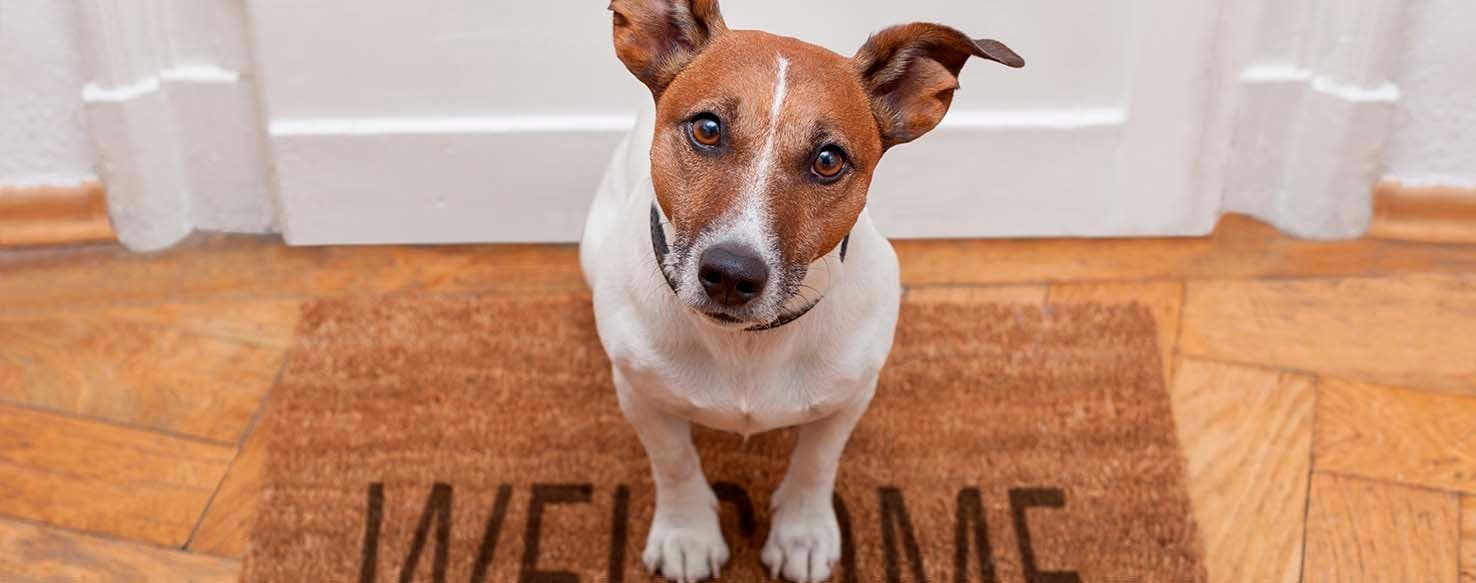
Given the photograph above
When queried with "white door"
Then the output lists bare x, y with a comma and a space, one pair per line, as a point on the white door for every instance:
474, 120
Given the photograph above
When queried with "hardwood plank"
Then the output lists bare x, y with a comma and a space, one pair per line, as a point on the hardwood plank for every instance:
31, 553
1412, 331
265, 322
1398, 435
1247, 436
1468, 539
220, 266
1240, 247
195, 369
54, 215
1163, 298
1360, 530
101, 478
1440, 214
226, 528
215, 267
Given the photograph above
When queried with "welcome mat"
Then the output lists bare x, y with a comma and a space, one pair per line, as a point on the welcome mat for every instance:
470, 439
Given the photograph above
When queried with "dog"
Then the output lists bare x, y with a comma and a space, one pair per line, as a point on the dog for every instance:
738, 281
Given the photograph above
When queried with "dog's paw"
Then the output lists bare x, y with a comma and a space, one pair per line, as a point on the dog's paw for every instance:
686, 551
804, 539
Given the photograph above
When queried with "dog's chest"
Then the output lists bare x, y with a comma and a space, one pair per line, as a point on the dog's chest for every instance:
744, 393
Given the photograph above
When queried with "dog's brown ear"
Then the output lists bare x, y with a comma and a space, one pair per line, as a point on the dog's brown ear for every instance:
656, 39
911, 72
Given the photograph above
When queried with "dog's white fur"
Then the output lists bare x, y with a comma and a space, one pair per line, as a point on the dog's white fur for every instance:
672, 367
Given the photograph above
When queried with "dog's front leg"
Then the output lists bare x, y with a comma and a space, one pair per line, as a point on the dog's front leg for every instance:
804, 538
686, 542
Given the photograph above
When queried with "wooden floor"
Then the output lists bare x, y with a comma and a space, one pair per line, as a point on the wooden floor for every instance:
1325, 393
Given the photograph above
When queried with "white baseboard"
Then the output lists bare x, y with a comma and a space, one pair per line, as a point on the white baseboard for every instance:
437, 185
488, 179
1312, 109
1297, 136
174, 119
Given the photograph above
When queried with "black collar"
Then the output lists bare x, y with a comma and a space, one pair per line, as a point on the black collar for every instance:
660, 248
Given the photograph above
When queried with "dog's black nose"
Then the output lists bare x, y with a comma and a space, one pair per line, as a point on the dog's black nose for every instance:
732, 274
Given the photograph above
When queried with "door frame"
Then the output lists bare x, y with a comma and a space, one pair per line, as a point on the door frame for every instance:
172, 110
1289, 123
1308, 102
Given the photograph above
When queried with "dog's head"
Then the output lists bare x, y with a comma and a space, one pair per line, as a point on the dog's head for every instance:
765, 146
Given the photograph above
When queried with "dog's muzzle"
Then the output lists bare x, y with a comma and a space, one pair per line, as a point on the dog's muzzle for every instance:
729, 272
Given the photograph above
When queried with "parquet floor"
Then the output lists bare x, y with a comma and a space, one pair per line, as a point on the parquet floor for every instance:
1325, 393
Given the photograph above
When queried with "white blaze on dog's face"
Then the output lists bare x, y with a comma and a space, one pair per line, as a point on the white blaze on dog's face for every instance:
765, 146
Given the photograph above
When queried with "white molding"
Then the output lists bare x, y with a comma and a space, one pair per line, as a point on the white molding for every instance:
174, 119
1283, 108
489, 124
1433, 181
1169, 45
1035, 119
488, 179
1312, 108
1386, 92
1279, 109
1045, 119
128, 119
437, 186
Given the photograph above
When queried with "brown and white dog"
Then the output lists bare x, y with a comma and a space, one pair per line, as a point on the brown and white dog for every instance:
738, 281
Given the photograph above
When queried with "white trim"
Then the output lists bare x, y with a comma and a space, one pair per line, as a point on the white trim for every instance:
1275, 109
1167, 104
1034, 119
1432, 181
1281, 73
1384, 93
177, 132
128, 117
93, 93
437, 187
200, 74
1277, 73
451, 186
96, 93
489, 124
49, 180
1003, 120
1312, 109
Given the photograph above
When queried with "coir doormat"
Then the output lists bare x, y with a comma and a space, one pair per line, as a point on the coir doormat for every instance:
470, 439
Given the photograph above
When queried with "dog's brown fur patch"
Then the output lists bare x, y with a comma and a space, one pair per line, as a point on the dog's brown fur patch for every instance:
656, 40
911, 72
825, 104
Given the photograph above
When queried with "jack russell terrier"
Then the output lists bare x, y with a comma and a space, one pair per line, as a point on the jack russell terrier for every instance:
738, 281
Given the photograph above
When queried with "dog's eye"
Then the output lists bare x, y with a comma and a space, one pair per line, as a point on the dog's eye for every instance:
706, 130
829, 162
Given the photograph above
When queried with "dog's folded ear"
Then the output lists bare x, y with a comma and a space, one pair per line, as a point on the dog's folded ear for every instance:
656, 39
911, 72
